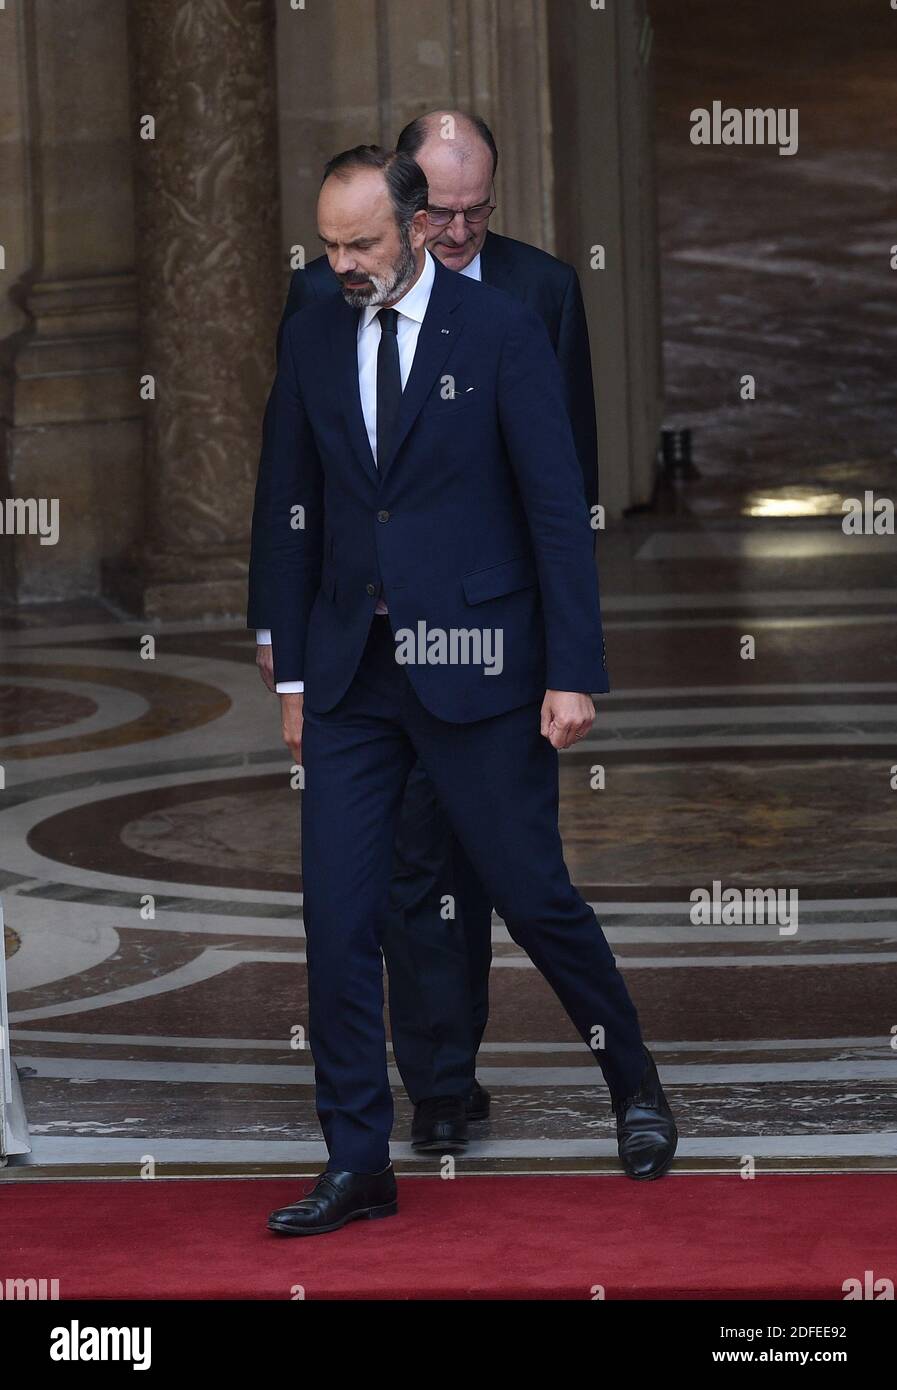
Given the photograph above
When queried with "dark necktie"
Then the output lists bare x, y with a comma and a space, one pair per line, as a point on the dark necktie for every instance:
389, 383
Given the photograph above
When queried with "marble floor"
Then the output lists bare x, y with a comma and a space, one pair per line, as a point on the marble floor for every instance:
780, 267
153, 912
148, 868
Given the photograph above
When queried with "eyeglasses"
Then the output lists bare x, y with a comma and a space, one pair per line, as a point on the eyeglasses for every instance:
441, 217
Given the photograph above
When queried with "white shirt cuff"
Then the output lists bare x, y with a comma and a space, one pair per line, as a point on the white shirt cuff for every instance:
263, 637
290, 687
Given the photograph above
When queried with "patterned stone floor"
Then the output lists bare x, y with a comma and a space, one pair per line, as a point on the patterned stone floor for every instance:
168, 1035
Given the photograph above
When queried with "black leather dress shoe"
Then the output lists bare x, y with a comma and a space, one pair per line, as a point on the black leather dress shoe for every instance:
440, 1125
646, 1131
478, 1103
335, 1199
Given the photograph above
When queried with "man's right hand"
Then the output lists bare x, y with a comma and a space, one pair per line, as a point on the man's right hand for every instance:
291, 724
264, 660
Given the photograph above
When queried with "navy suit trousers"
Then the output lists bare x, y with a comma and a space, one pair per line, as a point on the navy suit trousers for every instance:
497, 780
437, 943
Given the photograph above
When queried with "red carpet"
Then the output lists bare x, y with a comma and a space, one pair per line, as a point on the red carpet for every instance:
777, 1236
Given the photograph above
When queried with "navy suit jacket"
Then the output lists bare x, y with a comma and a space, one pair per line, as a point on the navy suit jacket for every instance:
547, 286
477, 519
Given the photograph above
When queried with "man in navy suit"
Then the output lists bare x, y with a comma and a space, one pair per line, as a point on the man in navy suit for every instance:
433, 588
437, 934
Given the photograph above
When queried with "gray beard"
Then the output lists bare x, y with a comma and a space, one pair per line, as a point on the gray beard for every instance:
386, 287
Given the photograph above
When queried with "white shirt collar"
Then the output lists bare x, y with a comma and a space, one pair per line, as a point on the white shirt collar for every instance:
474, 271
413, 303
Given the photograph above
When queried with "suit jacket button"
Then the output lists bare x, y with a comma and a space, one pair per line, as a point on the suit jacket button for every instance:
383, 516
372, 589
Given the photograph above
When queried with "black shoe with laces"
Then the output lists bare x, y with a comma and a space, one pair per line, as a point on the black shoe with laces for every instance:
646, 1131
335, 1199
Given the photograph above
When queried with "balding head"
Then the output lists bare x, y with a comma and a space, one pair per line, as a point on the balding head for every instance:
455, 130
458, 155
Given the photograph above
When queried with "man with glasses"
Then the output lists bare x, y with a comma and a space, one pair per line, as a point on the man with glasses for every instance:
436, 936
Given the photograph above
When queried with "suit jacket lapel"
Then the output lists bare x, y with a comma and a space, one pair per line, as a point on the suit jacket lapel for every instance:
438, 334
345, 350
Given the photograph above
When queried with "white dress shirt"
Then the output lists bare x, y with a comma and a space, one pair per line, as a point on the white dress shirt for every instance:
412, 308
474, 271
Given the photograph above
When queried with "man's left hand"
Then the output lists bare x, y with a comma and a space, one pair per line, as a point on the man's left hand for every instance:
567, 716
264, 660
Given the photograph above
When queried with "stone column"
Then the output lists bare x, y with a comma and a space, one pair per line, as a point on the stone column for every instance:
69, 411
210, 291
602, 97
